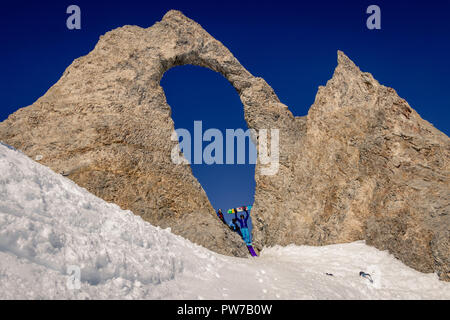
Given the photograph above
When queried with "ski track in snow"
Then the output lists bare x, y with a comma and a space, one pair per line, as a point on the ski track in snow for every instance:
49, 224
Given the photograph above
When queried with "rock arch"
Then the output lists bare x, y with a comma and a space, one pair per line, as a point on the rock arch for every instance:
361, 165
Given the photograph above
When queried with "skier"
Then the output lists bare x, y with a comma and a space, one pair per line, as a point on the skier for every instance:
220, 215
234, 226
244, 227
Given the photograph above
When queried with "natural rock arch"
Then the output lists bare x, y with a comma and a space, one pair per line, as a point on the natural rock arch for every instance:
361, 165
106, 125
196, 94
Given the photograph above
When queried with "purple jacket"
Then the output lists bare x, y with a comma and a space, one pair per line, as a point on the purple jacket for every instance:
242, 222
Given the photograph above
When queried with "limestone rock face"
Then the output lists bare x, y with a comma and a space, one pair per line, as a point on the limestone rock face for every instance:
361, 165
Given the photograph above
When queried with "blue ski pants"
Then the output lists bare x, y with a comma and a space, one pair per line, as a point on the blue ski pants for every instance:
246, 235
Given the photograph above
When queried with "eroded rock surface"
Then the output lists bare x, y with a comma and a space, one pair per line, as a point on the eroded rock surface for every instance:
361, 165
107, 126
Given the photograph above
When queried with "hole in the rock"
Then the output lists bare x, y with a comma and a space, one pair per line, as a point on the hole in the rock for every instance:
199, 94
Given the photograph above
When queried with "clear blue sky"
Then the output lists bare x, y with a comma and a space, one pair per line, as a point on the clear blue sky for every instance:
291, 44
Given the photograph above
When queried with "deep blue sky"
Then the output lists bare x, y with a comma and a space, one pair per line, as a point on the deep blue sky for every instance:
292, 45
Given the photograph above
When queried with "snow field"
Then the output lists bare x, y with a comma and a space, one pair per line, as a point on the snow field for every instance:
52, 231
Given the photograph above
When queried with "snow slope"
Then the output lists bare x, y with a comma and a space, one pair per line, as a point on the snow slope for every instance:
49, 227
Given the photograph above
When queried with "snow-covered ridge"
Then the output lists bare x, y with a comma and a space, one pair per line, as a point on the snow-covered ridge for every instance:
49, 226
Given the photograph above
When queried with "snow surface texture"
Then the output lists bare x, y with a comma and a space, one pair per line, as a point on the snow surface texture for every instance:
52, 233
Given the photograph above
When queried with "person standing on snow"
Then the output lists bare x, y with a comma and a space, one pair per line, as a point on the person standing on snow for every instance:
244, 227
